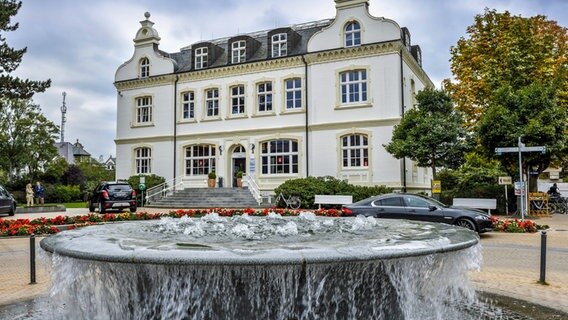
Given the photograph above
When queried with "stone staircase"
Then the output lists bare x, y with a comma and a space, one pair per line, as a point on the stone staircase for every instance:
199, 198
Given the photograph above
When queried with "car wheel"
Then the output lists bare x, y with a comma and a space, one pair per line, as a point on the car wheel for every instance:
101, 208
12, 210
91, 206
465, 223
132, 209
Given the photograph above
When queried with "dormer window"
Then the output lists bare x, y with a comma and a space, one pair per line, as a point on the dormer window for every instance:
279, 45
201, 58
352, 34
144, 68
238, 51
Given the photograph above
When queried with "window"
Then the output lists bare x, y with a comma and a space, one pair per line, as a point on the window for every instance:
264, 95
199, 159
144, 68
390, 202
143, 158
188, 105
293, 93
201, 58
238, 52
238, 100
212, 102
352, 34
353, 86
279, 45
355, 149
416, 202
279, 156
144, 109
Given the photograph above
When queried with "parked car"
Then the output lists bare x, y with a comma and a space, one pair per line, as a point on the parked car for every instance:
7, 202
116, 195
417, 207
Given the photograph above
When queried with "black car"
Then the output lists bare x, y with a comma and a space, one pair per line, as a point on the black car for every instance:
115, 195
416, 207
7, 202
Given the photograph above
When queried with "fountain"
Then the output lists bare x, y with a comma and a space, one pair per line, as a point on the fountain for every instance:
270, 267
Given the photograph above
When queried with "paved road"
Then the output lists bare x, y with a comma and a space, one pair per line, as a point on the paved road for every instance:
510, 268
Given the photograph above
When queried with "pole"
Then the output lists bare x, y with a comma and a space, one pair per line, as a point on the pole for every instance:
542, 257
32, 260
521, 180
506, 202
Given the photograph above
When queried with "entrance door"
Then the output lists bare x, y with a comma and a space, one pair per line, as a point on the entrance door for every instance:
239, 162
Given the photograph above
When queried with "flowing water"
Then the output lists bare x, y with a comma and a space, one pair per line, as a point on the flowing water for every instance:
270, 267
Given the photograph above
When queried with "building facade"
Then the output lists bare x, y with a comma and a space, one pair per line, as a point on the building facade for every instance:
313, 99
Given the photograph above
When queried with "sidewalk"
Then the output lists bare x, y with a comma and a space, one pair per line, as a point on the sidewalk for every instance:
511, 264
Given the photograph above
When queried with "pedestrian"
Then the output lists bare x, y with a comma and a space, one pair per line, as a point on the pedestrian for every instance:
39, 193
29, 195
553, 191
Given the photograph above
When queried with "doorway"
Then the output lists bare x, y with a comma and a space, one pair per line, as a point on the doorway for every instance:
239, 163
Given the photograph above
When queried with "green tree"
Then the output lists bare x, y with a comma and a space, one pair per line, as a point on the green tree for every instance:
95, 173
55, 171
26, 136
431, 134
532, 113
503, 50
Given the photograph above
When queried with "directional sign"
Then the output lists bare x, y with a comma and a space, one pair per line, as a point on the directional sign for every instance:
505, 180
523, 149
142, 186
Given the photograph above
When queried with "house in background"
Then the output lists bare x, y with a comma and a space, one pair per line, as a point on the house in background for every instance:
314, 99
110, 163
73, 152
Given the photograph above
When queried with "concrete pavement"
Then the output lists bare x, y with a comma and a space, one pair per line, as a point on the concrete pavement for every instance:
510, 267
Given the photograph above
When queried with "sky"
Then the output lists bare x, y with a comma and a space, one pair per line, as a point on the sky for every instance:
80, 44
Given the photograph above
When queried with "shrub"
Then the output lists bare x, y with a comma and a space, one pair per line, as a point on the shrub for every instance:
308, 187
212, 175
62, 193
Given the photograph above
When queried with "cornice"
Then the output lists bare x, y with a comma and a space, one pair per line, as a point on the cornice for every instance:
353, 52
145, 82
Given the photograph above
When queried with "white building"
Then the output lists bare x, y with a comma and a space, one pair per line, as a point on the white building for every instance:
314, 99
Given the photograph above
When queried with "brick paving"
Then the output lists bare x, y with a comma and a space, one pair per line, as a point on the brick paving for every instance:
510, 268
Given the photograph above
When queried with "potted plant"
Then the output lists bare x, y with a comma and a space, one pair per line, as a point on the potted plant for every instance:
240, 179
211, 181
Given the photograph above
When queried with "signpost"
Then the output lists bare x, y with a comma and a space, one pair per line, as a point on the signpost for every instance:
142, 187
506, 180
520, 149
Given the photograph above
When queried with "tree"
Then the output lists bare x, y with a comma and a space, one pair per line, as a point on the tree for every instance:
503, 50
13, 87
431, 134
26, 136
532, 113
94, 173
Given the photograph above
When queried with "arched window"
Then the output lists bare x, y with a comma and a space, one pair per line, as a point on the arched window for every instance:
143, 158
199, 159
279, 156
355, 151
144, 68
352, 34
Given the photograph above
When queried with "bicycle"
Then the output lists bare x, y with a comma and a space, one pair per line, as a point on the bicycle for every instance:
557, 204
292, 202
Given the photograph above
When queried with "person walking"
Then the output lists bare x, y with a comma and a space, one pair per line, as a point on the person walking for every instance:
29, 195
39, 193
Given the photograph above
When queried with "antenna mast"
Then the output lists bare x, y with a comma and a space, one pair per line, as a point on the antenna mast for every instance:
63, 118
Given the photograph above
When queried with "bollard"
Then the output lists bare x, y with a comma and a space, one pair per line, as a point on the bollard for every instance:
32, 260
543, 257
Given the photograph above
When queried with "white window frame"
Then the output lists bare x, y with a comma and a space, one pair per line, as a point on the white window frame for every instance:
143, 110
188, 105
211, 102
144, 67
352, 34
264, 96
238, 51
353, 86
200, 159
279, 45
279, 157
238, 99
143, 160
295, 102
201, 55
354, 151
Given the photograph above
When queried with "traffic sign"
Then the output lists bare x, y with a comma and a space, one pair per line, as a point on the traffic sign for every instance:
142, 186
505, 180
436, 186
540, 149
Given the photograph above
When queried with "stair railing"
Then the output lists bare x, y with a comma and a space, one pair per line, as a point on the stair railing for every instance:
163, 190
253, 188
